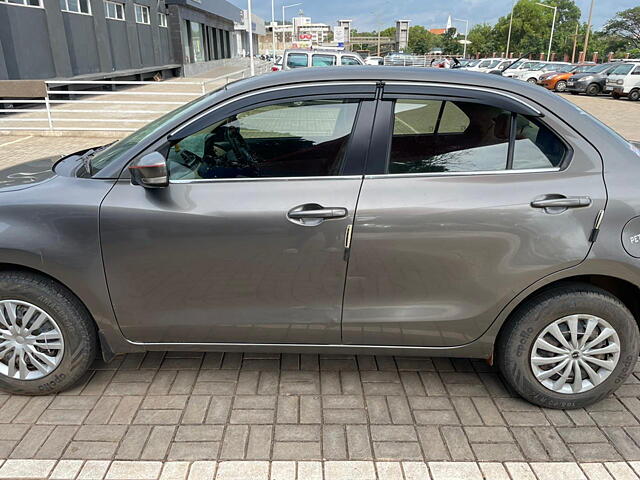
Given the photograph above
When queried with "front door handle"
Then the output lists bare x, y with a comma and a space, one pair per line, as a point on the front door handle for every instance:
311, 214
559, 203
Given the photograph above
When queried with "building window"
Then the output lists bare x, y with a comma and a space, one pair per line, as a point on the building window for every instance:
142, 14
76, 6
162, 19
25, 3
113, 10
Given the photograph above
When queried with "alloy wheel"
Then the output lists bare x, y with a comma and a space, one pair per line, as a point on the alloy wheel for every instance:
561, 86
31, 343
575, 354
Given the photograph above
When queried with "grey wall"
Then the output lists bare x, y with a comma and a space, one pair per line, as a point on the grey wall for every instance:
40, 43
25, 43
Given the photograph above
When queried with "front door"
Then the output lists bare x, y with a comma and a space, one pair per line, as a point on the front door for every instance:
469, 203
246, 244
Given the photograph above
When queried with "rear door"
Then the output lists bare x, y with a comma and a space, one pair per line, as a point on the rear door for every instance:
460, 210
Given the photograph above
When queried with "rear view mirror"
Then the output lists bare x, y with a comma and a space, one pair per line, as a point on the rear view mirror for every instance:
150, 171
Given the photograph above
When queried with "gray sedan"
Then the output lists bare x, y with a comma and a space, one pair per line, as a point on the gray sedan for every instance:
393, 210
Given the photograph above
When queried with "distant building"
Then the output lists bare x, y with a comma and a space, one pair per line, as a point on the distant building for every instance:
402, 34
442, 31
41, 39
242, 29
345, 26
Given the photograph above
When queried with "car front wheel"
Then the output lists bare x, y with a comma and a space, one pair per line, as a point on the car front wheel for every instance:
634, 95
47, 337
532, 80
561, 86
569, 347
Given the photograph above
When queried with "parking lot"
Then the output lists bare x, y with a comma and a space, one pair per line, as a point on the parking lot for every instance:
307, 417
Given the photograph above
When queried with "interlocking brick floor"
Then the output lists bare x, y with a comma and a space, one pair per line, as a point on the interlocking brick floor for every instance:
195, 406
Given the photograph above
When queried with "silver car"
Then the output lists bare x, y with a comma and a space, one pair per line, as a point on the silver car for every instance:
301, 58
382, 211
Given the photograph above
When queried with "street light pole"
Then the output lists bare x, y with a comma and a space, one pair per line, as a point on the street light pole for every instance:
251, 61
283, 30
513, 4
553, 26
586, 36
466, 33
273, 28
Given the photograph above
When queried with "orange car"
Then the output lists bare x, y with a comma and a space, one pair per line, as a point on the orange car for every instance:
558, 80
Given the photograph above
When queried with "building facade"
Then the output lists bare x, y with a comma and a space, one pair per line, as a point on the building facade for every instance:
100, 39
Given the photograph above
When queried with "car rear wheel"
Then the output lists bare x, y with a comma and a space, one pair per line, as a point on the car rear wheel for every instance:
593, 90
47, 337
532, 80
561, 86
634, 95
569, 347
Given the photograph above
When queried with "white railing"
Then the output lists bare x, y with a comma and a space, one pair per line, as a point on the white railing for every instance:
61, 114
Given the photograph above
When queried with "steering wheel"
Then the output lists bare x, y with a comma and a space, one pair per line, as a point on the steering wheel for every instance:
245, 159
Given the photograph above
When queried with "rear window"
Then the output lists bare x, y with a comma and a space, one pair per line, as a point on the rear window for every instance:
297, 60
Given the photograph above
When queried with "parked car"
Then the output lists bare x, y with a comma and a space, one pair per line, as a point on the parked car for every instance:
485, 65
362, 210
533, 75
624, 81
297, 58
374, 60
591, 82
557, 81
520, 66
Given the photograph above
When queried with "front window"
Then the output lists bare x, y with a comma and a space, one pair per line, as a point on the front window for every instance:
297, 60
623, 69
142, 14
295, 139
323, 60
436, 136
76, 6
114, 10
582, 69
115, 151
537, 66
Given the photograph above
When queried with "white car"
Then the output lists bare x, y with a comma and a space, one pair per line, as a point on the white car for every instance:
520, 66
533, 75
485, 65
624, 81
374, 61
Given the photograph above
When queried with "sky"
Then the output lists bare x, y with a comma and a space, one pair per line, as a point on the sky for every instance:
368, 14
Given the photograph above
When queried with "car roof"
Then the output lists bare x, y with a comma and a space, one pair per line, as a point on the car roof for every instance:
320, 50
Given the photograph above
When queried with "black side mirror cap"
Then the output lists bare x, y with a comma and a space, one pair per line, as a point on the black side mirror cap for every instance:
150, 171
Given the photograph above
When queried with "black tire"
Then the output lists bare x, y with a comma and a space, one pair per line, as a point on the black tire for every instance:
561, 86
517, 338
74, 321
593, 90
634, 95
532, 81
616, 95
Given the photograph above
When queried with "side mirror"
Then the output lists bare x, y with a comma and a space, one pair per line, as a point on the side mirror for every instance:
150, 171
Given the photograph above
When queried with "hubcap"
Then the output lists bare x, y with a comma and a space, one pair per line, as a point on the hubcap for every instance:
575, 353
31, 344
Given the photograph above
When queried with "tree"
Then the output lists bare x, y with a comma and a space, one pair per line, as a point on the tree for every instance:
421, 40
481, 38
625, 25
532, 27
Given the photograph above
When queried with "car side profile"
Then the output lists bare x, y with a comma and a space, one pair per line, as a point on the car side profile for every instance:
400, 211
302, 58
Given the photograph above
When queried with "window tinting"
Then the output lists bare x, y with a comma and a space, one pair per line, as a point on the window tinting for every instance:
297, 60
443, 136
323, 60
297, 139
536, 146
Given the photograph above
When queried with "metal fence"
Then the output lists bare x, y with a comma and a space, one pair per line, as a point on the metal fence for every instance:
403, 60
115, 106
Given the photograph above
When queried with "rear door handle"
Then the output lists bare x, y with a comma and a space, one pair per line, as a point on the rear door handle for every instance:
311, 214
561, 202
